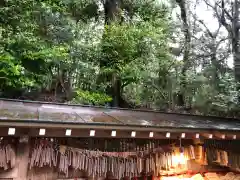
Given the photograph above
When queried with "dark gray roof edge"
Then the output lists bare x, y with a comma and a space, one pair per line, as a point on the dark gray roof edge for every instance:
114, 125
125, 109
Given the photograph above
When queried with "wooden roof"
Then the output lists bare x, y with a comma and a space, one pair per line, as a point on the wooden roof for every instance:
16, 111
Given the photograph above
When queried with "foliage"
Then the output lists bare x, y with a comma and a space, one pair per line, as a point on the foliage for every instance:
92, 98
67, 50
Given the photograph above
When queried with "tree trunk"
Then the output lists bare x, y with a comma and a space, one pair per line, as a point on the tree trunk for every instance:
187, 40
116, 90
235, 43
233, 32
111, 10
215, 65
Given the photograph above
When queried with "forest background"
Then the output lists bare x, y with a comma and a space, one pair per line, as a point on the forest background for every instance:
145, 54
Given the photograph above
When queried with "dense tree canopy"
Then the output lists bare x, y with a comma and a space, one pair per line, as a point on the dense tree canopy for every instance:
119, 53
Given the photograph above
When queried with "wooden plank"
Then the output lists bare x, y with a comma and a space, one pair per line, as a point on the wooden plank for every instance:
228, 176
212, 176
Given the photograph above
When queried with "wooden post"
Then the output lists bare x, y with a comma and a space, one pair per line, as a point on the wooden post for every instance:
23, 155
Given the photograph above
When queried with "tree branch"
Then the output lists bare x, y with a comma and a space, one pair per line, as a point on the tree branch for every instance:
211, 34
158, 89
4, 78
222, 40
221, 18
208, 31
226, 12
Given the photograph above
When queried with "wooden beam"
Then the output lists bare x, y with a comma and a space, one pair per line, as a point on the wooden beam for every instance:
32, 131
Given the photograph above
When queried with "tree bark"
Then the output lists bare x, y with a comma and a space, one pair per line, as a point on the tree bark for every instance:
214, 62
233, 32
111, 11
187, 40
235, 42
